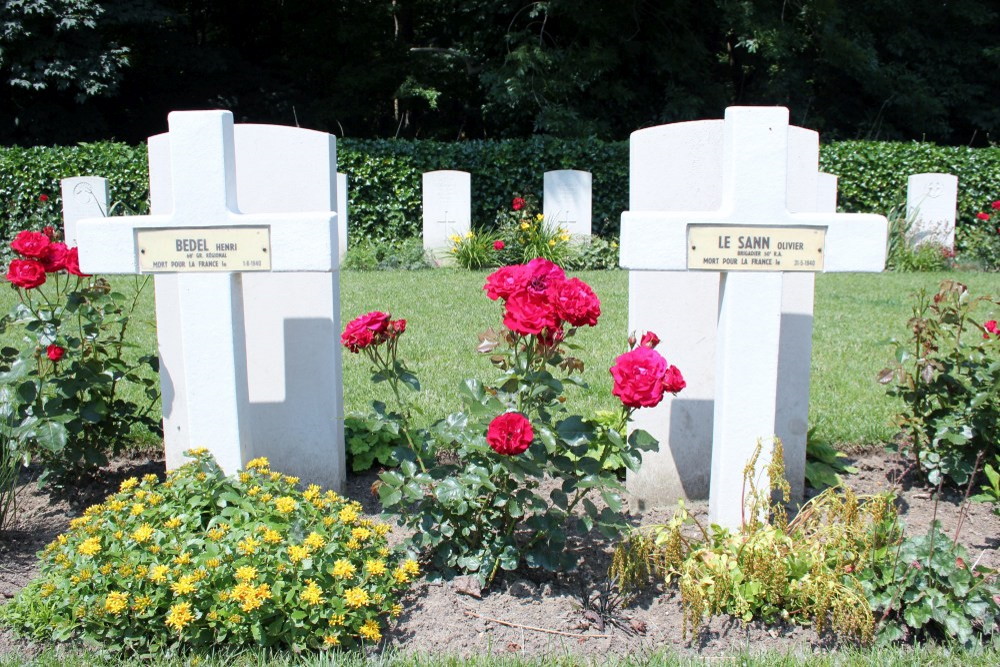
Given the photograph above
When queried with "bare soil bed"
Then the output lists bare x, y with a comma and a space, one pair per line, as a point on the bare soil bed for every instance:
529, 613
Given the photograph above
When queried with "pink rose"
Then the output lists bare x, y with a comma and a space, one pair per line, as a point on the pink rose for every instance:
54, 352
504, 281
509, 434
638, 377
996, 205
26, 273
650, 340
31, 244
518, 203
43, 198
528, 312
499, 245
991, 328
673, 381
983, 216
55, 257
575, 302
71, 262
540, 274
365, 330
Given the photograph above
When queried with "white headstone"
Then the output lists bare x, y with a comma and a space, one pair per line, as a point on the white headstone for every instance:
755, 173
342, 215
82, 197
208, 322
447, 207
931, 203
568, 200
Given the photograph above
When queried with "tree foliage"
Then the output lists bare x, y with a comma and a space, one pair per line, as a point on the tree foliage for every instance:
457, 69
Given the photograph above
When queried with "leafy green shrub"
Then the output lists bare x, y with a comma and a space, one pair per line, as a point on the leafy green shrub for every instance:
477, 250
903, 256
373, 437
824, 463
64, 379
382, 255
470, 486
10, 467
202, 559
930, 589
772, 569
593, 253
990, 491
947, 377
980, 241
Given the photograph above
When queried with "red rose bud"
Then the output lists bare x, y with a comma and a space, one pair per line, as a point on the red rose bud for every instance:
509, 434
397, 327
43, 197
673, 381
71, 263
31, 244
49, 231
991, 327
54, 352
631, 341
498, 245
517, 204
26, 273
996, 205
983, 216
650, 340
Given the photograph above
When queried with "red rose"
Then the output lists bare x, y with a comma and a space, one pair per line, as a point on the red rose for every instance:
650, 340
397, 327
365, 330
55, 257
49, 231
504, 281
552, 337
26, 273
31, 244
540, 274
43, 197
638, 377
996, 205
991, 327
673, 381
528, 312
54, 352
499, 245
509, 434
71, 263
518, 203
983, 216
575, 302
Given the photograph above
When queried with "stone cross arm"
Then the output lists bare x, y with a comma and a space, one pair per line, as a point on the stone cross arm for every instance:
298, 241
657, 240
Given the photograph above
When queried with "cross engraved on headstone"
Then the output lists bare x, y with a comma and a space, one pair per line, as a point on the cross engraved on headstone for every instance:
210, 309
754, 181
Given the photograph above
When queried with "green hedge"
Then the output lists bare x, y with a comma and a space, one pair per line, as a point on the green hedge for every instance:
385, 177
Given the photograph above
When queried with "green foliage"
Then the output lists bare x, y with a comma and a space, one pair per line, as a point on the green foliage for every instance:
373, 437
947, 376
990, 491
593, 253
204, 560
62, 382
477, 250
527, 234
10, 467
386, 254
824, 464
903, 256
928, 588
773, 569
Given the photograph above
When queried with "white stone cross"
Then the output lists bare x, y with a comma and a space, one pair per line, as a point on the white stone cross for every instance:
755, 154
210, 304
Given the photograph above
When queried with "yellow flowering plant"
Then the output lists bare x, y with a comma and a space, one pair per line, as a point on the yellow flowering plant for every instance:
203, 559
526, 234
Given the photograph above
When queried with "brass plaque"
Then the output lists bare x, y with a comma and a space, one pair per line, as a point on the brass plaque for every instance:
203, 249
738, 248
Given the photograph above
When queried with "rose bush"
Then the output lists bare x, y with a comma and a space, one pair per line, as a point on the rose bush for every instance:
472, 487
61, 385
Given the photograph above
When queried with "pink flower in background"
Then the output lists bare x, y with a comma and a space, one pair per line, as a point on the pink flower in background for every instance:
983, 216
365, 330
498, 245
518, 203
991, 328
31, 244
26, 273
54, 352
509, 434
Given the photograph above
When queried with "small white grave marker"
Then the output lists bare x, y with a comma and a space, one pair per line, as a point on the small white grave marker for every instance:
752, 216
931, 203
447, 207
209, 305
82, 197
568, 200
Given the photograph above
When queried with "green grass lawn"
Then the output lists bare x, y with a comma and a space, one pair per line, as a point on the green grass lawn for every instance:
855, 315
